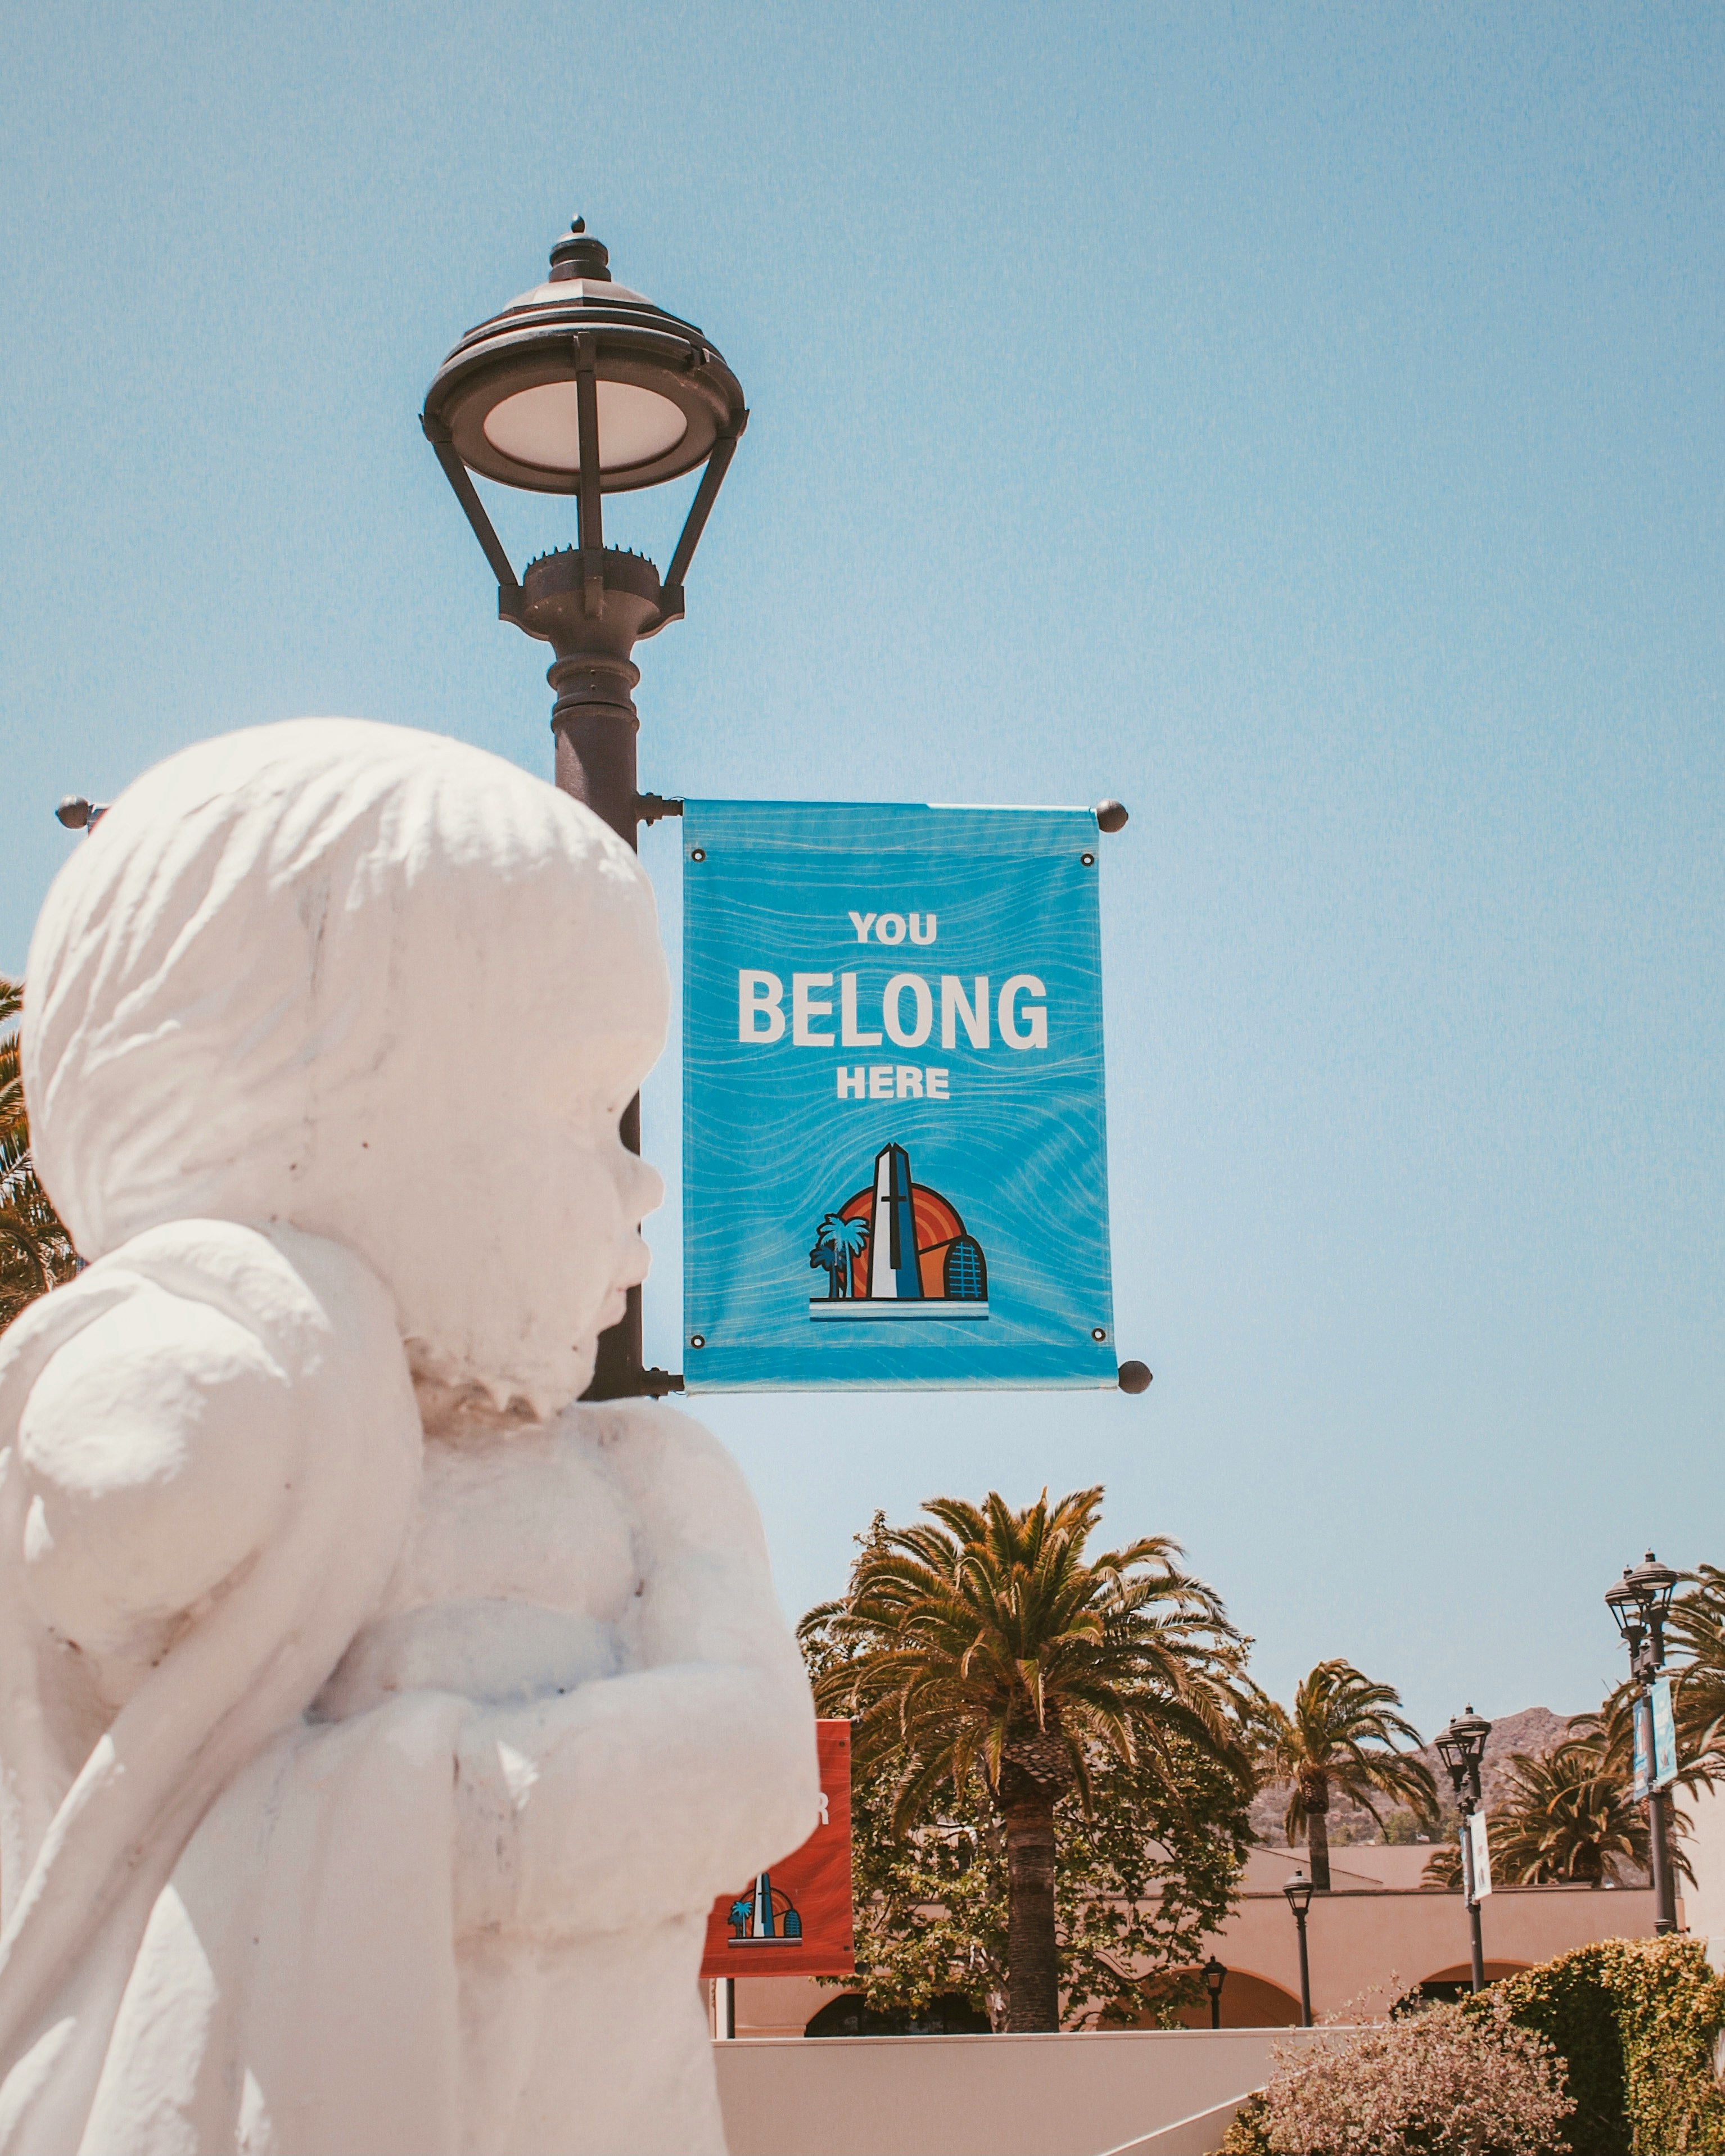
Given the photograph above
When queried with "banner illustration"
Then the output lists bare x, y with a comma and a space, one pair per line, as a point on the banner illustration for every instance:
951, 1204
796, 1920
895, 1250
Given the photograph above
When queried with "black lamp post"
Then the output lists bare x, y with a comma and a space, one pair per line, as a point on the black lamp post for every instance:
1215, 1975
1639, 1602
1461, 1748
1298, 1890
581, 386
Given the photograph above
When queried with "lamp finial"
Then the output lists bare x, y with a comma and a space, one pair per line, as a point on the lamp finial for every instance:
577, 253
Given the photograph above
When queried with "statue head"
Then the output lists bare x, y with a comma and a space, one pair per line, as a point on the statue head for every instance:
379, 986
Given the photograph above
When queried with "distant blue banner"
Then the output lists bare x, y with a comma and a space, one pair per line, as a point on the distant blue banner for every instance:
895, 1150
1642, 1728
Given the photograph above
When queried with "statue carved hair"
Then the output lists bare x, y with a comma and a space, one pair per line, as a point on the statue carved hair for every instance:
280, 982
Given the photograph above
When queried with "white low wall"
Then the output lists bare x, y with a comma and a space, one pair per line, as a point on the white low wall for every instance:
1078, 2095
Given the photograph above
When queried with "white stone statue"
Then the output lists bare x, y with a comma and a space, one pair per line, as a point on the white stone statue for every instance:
376, 1727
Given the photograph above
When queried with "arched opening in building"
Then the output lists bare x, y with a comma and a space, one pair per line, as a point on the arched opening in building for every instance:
1248, 2001
849, 2016
1445, 1986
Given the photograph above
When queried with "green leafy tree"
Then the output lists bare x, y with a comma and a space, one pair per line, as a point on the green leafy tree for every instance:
35, 1250
1344, 1733
985, 1655
1405, 1828
1139, 1883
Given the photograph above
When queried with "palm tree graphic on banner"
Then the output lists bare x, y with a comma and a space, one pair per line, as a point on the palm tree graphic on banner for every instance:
837, 1241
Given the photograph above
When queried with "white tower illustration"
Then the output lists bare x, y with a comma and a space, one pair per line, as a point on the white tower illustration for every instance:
894, 1274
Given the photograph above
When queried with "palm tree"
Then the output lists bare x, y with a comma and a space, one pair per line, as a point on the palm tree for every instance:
1610, 1729
1343, 1734
35, 1250
1694, 1628
840, 1239
1568, 1816
986, 1644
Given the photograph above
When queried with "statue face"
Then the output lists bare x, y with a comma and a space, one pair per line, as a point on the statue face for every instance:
380, 987
514, 1251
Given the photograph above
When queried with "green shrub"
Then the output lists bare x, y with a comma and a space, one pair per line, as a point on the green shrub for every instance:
1635, 2021
1247, 2136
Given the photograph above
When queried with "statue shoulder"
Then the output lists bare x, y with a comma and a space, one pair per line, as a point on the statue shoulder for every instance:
670, 1465
163, 1408
305, 1295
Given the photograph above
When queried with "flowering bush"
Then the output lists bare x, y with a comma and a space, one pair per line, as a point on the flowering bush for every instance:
1445, 2083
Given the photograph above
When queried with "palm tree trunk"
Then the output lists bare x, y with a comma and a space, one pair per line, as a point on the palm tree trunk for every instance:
1317, 1844
1033, 1976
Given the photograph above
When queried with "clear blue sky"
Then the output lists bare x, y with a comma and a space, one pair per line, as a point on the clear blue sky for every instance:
1305, 426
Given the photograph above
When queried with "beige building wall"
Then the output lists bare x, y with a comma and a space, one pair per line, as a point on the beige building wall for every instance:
988, 2095
1375, 1935
1704, 1902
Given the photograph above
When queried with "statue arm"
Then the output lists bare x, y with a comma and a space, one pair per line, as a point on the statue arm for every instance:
645, 1795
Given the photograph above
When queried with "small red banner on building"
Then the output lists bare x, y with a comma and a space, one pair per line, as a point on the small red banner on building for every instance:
795, 1920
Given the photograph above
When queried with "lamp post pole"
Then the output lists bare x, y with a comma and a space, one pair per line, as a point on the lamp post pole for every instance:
1461, 1748
1639, 1602
1215, 1975
1665, 1895
581, 386
1476, 1943
1298, 1890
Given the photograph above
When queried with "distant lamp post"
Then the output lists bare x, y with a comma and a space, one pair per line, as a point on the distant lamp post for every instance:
581, 386
1639, 1602
1461, 1748
1298, 1890
1215, 1975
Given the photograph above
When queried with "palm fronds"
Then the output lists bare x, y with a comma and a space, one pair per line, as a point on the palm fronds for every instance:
1695, 1629
1345, 1732
1568, 1817
981, 1641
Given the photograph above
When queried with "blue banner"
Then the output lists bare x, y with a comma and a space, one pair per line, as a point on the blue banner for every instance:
1665, 1734
895, 1150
